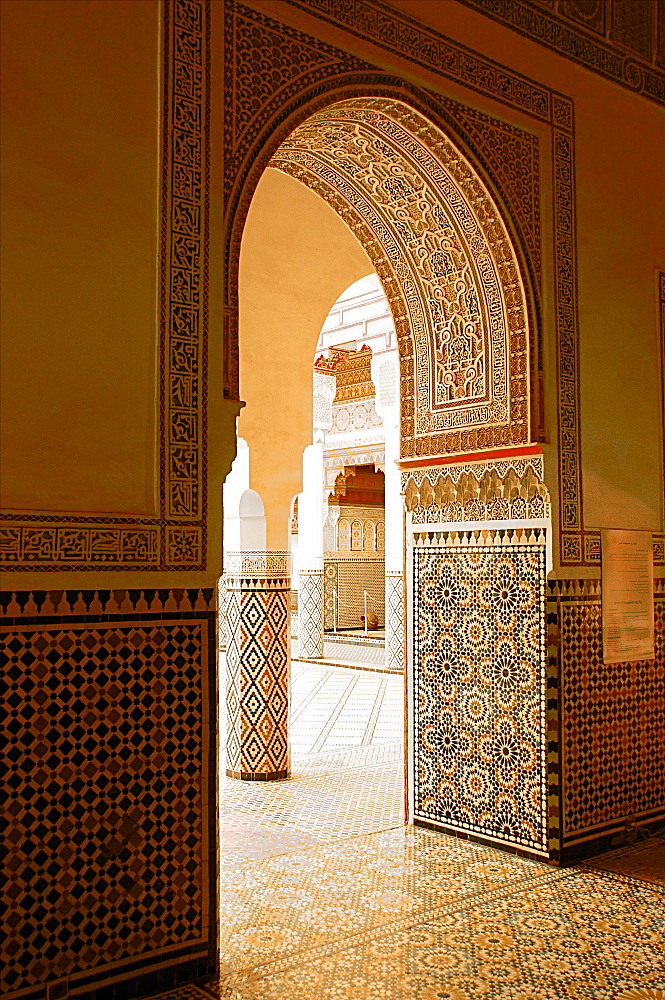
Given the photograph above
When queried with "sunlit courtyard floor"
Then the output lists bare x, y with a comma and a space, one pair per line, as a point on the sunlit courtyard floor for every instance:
346, 765
326, 895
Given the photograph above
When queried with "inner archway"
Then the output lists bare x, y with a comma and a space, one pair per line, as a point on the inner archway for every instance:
445, 259
437, 239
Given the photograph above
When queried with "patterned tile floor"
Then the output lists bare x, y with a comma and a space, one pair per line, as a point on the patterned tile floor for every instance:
347, 771
644, 860
315, 907
353, 652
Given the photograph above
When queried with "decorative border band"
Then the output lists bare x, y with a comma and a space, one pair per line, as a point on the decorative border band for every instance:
56, 605
406, 37
252, 564
630, 71
391, 28
258, 775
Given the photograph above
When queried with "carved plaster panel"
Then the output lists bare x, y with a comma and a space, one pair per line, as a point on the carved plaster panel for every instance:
438, 242
478, 491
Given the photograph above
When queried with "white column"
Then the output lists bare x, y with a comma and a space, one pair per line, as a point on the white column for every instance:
310, 554
385, 375
235, 484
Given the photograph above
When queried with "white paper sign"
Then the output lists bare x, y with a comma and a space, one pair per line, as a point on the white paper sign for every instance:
627, 596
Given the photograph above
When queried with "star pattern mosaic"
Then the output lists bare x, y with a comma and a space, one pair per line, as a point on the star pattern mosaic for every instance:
568, 936
414, 914
311, 912
480, 686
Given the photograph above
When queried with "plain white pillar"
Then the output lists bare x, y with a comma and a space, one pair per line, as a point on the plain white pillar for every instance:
236, 483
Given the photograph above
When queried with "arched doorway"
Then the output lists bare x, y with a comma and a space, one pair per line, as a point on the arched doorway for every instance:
460, 301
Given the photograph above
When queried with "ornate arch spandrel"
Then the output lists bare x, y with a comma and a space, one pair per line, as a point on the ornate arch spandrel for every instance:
443, 253
273, 126
320, 74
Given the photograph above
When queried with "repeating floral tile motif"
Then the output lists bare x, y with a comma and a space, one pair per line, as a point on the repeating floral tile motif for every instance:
577, 937
480, 685
279, 910
417, 915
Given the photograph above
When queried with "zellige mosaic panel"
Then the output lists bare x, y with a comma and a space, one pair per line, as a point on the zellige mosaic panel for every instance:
480, 684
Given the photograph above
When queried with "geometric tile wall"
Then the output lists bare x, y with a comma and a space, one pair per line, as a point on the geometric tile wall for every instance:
612, 721
111, 784
349, 578
480, 684
257, 676
310, 613
395, 620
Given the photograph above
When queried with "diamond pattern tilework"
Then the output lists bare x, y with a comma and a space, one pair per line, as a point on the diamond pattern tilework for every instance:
411, 914
395, 621
613, 725
257, 677
107, 797
480, 684
310, 614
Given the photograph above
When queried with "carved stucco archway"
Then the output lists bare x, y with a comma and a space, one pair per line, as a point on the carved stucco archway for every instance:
445, 259
459, 296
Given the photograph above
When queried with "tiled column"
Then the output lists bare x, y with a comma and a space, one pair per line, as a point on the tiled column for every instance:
386, 378
310, 554
394, 619
310, 613
257, 665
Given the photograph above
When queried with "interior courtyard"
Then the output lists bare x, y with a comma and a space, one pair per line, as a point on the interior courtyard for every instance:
333, 499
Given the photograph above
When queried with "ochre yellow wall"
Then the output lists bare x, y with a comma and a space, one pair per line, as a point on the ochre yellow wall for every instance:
297, 257
80, 189
621, 218
619, 152
80, 176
